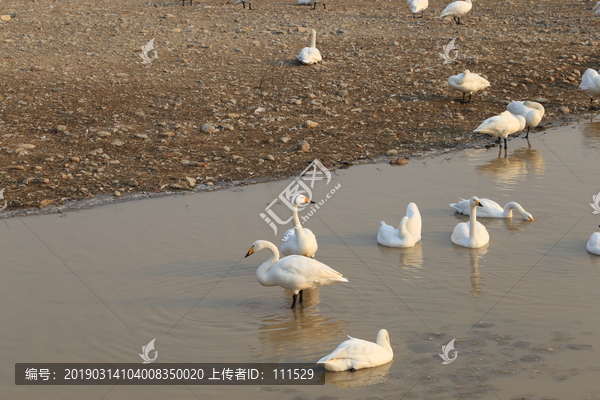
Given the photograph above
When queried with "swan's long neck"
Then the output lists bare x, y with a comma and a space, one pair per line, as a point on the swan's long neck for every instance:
473, 224
313, 40
262, 273
509, 207
383, 339
297, 224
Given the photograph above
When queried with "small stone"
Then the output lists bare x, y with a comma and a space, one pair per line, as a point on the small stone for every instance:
61, 128
17, 167
310, 124
116, 193
270, 158
208, 128
96, 152
391, 153
259, 110
132, 182
185, 162
169, 16
191, 181
117, 143
210, 184
166, 134
229, 127
42, 180
342, 93
564, 110
122, 75
103, 134
74, 159
226, 148
284, 139
399, 161
176, 30
236, 158
46, 202
5, 18
303, 146
26, 146
141, 136
541, 100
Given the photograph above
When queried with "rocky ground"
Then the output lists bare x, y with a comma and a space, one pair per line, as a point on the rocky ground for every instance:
226, 102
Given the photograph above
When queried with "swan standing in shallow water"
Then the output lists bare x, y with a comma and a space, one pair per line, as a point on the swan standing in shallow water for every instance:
355, 354
491, 209
472, 234
299, 240
295, 273
418, 6
457, 10
468, 83
530, 110
590, 84
310, 55
593, 244
502, 125
408, 232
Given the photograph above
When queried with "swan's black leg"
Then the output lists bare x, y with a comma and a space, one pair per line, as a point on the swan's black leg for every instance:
294, 302
249, 6
463, 99
301, 300
469, 98
591, 103
324, 6
352, 369
505, 145
499, 141
527, 135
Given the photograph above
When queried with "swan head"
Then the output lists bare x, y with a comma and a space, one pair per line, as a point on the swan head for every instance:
474, 202
299, 200
256, 246
528, 217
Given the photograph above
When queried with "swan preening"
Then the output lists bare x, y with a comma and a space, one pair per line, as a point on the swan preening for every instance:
408, 232
457, 10
313, 2
298, 240
502, 125
310, 55
530, 110
491, 209
468, 83
355, 354
472, 234
590, 84
417, 6
244, 3
295, 273
593, 244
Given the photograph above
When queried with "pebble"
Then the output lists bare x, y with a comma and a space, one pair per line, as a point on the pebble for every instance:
541, 100
207, 128
342, 93
399, 161
5, 18
259, 110
236, 157
95, 152
132, 182
116, 193
103, 134
166, 134
284, 139
391, 153
564, 110
303, 146
141, 136
191, 181
46, 202
270, 158
310, 124
61, 128
26, 146
226, 148
117, 143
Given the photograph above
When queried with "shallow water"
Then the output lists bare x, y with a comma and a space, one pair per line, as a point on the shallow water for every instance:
96, 285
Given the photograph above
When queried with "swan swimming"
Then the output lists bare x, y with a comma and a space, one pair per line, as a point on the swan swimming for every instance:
418, 6
468, 83
491, 209
299, 240
590, 84
457, 10
355, 354
593, 244
310, 55
408, 232
530, 110
295, 273
472, 234
502, 125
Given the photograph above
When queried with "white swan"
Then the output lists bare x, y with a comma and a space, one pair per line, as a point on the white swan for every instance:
355, 354
310, 55
298, 240
590, 84
244, 3
408, 232
502, 125
313, 2
530, 110
457, 10
472, 234
295, 273
468, 83
418, 6
491, 209
593, 244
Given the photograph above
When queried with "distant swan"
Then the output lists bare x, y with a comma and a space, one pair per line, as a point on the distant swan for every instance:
418, 6
502, 125
468, 83
472, 234
491, 209
457, 10
355, 354
299, 240
593, 245
313, 2
408, 232
310, 55
590, 84
295, 273
530, 110
244, 3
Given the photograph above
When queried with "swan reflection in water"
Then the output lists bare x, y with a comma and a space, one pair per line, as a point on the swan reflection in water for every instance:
303, 329
590, 138
523, 163
475, 257
411, 259
359, 378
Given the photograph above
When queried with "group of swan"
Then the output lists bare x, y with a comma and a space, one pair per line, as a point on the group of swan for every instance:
520, 114
472, 234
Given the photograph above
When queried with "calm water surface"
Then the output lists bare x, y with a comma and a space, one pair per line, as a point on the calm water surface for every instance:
96, 285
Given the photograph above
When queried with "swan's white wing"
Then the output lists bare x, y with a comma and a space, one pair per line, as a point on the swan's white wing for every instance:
460, 233
482, 233
414, 224
387, 234
593, 244
309, 55
490, 208
359, 351
299, 272
518, 108
462, 207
